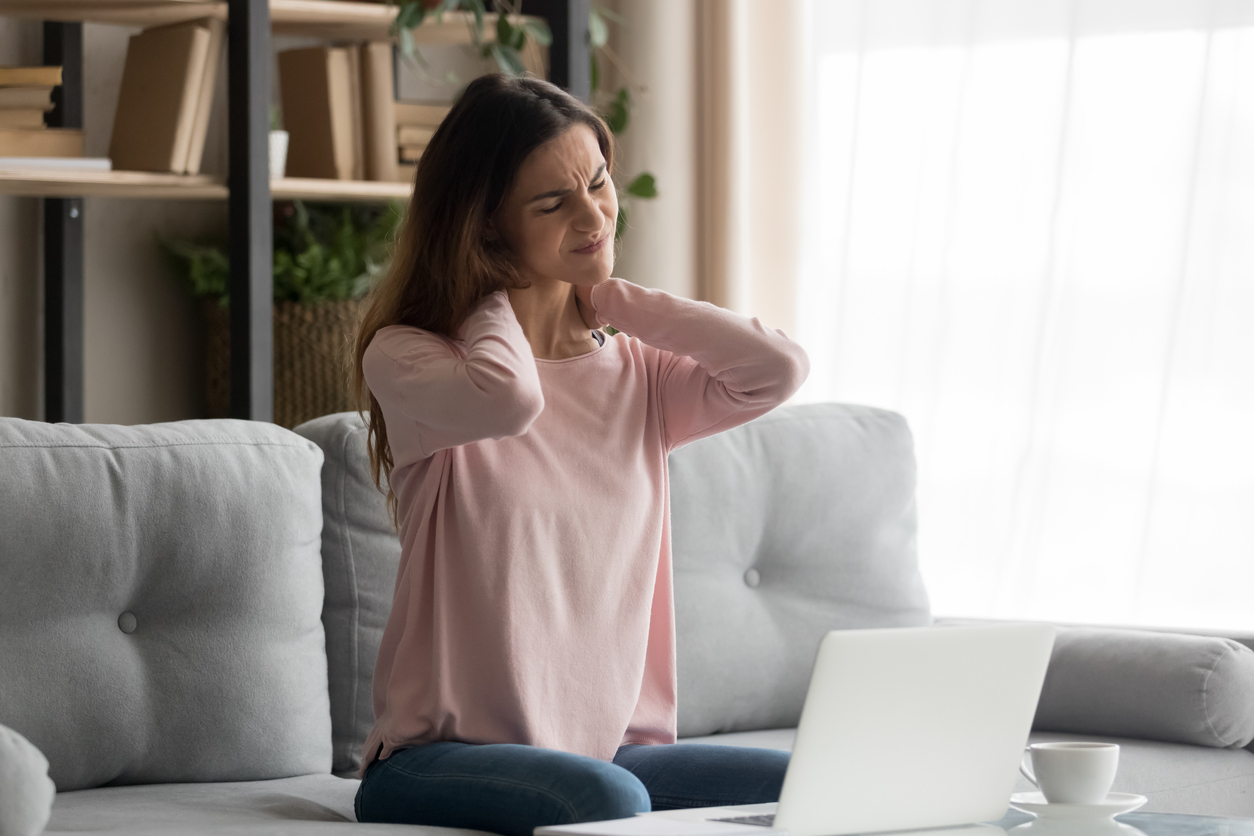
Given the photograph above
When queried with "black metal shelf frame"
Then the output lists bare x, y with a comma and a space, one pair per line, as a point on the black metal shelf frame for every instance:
249, 203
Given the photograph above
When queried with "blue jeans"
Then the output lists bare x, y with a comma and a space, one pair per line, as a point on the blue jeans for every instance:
510, 789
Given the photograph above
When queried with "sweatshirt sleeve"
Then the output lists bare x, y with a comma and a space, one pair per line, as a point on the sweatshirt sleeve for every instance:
492, 392
719, 369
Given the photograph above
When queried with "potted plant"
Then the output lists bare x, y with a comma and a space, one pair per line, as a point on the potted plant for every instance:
325, 259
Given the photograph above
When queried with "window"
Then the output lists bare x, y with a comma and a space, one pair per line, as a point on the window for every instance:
1030, 229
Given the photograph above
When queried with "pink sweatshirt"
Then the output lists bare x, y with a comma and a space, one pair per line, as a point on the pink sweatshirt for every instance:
533, 601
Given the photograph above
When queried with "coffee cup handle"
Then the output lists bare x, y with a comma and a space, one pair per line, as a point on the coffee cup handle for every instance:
1023, 769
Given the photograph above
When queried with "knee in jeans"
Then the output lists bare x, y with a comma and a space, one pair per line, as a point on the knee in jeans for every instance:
612, 793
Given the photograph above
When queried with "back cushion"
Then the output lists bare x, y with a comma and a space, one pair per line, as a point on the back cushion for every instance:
793, 525
360, 556
818, 500
160, 594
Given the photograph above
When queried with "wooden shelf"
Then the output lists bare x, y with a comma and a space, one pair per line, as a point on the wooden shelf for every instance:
129, 13
331, 19
142, 184
112, 184
363, 191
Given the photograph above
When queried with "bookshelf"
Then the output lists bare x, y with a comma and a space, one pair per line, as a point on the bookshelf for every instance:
247, 187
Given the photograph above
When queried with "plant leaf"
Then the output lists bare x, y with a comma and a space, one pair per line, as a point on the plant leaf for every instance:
643, 185
507, 58
410, 15
539, 30
476, 8
619, 114
609, 14
596, 71
620, 225
598, 31
408, 50
504, 31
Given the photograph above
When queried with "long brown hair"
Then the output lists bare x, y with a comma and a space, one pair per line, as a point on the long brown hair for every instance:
445, 261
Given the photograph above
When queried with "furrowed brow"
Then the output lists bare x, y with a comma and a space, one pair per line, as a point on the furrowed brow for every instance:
563, 192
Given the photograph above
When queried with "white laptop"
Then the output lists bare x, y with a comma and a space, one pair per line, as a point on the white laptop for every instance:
902, 729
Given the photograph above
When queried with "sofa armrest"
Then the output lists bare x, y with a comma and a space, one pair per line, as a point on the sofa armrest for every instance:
1150, 685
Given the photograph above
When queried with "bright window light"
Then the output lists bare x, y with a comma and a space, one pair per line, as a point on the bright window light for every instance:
1039, 248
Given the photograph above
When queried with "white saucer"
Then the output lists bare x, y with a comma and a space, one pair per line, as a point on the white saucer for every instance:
1114, 804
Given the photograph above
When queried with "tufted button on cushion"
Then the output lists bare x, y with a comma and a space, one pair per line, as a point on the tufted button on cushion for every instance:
210, 531
820, 498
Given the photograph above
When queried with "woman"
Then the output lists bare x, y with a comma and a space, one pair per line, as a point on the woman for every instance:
527, 672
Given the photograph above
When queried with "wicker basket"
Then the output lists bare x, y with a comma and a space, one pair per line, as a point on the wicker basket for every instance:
312, 351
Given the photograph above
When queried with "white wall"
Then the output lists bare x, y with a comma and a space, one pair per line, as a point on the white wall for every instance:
656, 45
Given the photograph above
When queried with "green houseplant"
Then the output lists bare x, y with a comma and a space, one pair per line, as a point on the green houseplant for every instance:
325, 259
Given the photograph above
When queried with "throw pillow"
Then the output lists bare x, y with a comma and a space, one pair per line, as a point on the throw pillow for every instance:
26, 791
1154, 686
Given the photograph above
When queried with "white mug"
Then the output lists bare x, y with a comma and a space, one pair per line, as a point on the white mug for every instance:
1072, 773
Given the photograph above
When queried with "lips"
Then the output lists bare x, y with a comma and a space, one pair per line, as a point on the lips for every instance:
593, 247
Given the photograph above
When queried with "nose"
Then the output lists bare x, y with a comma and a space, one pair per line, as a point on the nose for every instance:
588, 217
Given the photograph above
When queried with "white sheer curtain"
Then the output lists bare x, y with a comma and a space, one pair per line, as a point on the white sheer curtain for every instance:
1030, 229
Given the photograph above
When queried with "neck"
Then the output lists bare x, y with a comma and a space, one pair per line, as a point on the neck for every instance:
550, 320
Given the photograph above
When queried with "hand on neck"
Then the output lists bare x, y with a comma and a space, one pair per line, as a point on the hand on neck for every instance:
551, 320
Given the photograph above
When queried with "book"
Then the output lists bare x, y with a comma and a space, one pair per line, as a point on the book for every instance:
411, 153
412, 113
354, 107
30, 76
317, 112
413, 135
42, 142
204, 98
161, 79
24, 98
378, 111
22, 119
55, 164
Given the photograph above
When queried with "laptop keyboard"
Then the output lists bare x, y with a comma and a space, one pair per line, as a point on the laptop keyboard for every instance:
766, 820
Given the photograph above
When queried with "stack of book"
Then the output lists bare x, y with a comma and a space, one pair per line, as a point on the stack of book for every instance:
25, 96
341, 113
167, 93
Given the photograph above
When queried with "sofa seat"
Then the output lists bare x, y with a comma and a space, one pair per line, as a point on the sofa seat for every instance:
1176, 777
319, 805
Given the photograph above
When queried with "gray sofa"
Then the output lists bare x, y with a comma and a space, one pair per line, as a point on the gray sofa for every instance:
189, 615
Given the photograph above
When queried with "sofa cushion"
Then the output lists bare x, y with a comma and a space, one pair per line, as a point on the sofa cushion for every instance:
800, 522
321, 805
160, 594
1150, 685
360, 556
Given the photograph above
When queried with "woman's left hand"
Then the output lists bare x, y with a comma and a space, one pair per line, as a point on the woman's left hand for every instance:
583, 295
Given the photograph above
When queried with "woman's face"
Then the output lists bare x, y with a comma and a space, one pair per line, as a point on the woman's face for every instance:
559, 216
